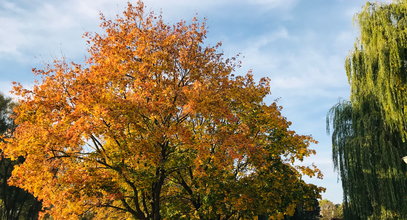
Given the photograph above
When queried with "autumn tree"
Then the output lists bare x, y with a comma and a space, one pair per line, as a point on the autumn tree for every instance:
369, 131
155, 125
15, 203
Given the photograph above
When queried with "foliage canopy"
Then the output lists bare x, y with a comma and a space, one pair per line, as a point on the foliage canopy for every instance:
329, 210
369, 132
378, 64
155, 125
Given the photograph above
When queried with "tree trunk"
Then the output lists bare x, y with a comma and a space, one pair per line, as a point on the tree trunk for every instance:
157, 186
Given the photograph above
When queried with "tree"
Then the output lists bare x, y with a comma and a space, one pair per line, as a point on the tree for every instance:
6, 123
369, 131
329, 210
368, 155
307, 210
154, 126
15, 203
378, 63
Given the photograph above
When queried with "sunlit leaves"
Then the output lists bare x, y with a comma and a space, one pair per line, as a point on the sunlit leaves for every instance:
155, 125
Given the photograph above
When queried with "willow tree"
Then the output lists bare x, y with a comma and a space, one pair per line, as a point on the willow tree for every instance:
367, 154
378, 64
155, 125
369, 131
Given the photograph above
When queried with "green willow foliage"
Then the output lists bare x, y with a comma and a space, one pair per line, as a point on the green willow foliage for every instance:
370, 131
378, 64
368, 154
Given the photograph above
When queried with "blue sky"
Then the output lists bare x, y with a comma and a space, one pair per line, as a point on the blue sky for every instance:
299, 44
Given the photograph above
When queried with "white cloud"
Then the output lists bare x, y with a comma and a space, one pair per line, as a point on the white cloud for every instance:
272, 4
305, 70
49, 25
194, 4
11, 7
11, 37
268, 38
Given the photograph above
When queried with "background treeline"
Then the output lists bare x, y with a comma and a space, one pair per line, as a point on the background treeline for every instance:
15, 203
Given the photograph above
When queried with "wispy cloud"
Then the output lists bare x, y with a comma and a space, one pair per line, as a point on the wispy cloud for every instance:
272, 4
300, 70
11, 37
59, 26
38, 31
193, 4
48, 26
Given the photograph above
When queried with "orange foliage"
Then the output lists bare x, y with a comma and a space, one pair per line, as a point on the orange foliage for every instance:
155, 125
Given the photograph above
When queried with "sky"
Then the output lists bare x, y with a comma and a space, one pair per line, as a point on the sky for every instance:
301, 45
